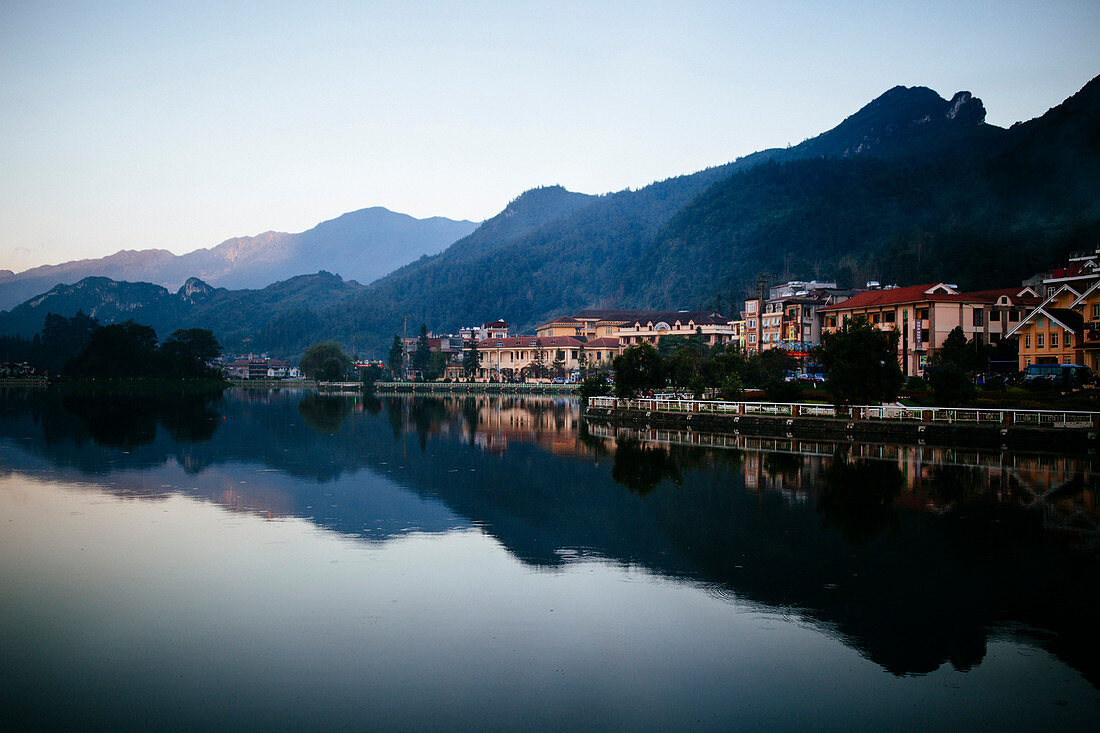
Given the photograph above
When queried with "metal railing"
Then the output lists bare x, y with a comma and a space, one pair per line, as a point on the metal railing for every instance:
890, 413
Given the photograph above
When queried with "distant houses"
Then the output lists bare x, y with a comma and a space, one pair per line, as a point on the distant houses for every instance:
249, 367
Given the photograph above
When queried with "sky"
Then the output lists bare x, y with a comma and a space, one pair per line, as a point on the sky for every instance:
164, 125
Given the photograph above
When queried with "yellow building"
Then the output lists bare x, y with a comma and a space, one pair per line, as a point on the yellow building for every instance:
652, 326
1064, 328
518, 357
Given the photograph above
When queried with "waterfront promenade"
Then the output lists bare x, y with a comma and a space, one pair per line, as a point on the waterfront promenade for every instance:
1064, 429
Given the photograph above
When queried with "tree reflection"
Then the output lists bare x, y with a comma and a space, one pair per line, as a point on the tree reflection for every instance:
127, 420
641, 468
427, 414
858, 497
325, 413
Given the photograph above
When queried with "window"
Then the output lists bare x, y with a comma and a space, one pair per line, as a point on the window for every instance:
1027, 340
1039, 340
750, 306
1096, 311
1054, 339
979, 317
1050, 290
752, 323
752, 338
994, 315
888, 317
922, 314
1069, 340
1013, 316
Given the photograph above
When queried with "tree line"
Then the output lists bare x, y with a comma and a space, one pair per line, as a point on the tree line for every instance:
79, 347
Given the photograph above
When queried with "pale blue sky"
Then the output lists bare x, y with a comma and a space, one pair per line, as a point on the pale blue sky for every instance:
135, 125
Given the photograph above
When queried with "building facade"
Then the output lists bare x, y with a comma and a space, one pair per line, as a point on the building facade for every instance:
924, 315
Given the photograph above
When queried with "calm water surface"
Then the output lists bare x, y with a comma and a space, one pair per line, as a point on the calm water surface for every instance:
286, 559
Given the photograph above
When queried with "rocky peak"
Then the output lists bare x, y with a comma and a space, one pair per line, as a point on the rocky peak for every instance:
194, 291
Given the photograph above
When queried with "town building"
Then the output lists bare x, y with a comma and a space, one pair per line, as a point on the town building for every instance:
1065, 327
257, 367
924, 315
651, 326
511, 358
790, 316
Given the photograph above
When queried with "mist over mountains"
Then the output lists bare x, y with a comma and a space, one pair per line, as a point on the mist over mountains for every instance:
912, 187
361, 245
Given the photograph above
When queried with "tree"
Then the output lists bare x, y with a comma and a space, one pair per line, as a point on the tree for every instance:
639, 367
325, 362
370, 374
860, 363
956, 351
951, 386
437, 364
120, 350
188, 352
397, 356
423, 354
471, 361
62, 339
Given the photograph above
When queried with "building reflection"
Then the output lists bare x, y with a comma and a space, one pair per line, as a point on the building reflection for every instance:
934, 478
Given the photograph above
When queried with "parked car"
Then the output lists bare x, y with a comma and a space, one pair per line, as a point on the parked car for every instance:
1057, 375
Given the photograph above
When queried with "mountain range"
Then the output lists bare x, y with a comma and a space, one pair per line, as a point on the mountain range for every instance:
912, 187
361, 245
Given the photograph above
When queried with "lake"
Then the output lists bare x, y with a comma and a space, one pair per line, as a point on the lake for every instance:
286, 559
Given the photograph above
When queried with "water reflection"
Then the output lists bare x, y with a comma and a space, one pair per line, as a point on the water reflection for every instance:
916, 556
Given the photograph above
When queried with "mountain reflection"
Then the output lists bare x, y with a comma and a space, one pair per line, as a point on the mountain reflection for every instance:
913, 555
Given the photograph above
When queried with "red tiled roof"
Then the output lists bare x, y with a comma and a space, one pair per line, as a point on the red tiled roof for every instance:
893, 296
568, 320
497, 324
992, 296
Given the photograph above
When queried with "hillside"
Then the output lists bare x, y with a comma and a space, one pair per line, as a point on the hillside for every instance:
362, 245
655, 246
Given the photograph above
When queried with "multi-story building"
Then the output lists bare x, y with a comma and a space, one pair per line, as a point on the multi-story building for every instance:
1064, 328
789, 318
515, 357
924, 315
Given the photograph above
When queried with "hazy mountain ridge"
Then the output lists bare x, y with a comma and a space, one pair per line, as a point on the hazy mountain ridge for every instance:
362, 245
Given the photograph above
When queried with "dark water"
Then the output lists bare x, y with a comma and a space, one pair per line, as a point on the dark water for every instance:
259, 560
